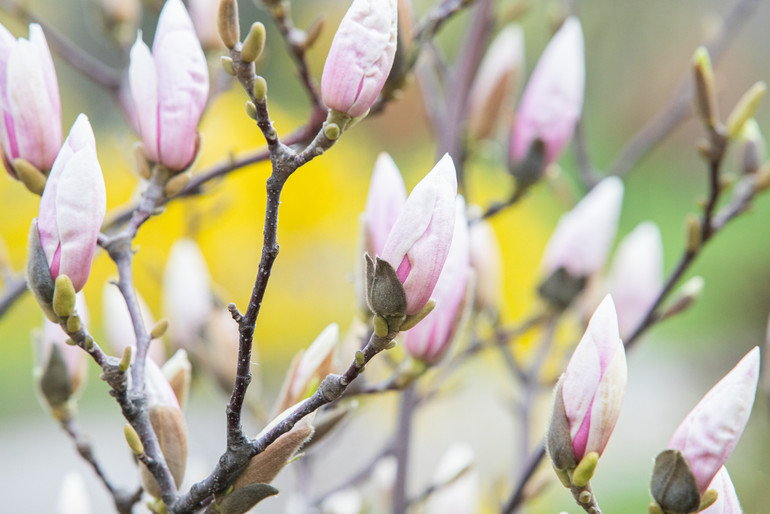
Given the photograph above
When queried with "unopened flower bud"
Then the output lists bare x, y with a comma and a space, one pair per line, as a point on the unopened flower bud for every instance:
581, 241
456, 481
30, 125
170, 86
636, 275
496, 80
553, 99
204, 15
710, 432
486, 262
418, 243
752, 151
590, 393
71, 212
119, 328
431, 338
360, 57
727, 500
178, 372
73, 495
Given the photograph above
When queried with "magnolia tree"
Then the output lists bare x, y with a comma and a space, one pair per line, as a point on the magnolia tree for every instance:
429, 276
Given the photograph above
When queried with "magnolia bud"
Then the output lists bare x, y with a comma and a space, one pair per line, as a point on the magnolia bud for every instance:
360, 57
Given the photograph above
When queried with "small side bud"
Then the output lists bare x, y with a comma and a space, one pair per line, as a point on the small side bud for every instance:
73, 323
745, 108
159, 329
260, 88
414, 319
176, 184
63, 297
32, 178
132, 438
227, 64
125, 361
705, 87
332, 131
254, 43
312, 33
228, 23
251, 110
707, 499
585, 469
693, 233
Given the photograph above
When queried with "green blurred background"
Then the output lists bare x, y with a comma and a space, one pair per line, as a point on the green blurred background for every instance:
636, 52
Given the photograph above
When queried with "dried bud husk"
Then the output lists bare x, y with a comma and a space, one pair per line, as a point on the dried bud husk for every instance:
169, 426
705, 88
313, 31
673, 484
687, 295
39, 279
228, 23
384, 292
32, 178
561, 288
142, 164
243, 500
265, 466
558, 440
55, 384
254, 43
531, 168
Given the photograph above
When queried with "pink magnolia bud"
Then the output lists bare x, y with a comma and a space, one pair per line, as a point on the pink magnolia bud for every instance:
204, 16
72, 206
553, 99
169, 88
360, 57
727, 500
636, 275
386, 199
583, 236
159, 391
709, 433
419, 242
496, 80
430, 339
30, 124
591, 389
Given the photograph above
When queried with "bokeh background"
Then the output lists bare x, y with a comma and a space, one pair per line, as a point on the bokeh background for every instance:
636, 53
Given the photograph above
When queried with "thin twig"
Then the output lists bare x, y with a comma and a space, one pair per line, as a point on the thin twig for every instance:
124, 500
669, 117
13, 290
401, 450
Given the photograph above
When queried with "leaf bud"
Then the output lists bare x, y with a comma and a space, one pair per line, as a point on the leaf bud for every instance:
254, 43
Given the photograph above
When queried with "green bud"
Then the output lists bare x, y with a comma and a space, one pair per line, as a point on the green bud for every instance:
125, 361
254, 43
707, 499
745, 108
33, 178
705, 87
88, 342
142, 164
227, 64
380, 326
260, 88
585, 469
585, 497
63, 297
132, 438
73, 323
251, 110
390, 345
228, 23
414, 319
693, 233
654, 508
360, 358
159, 329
